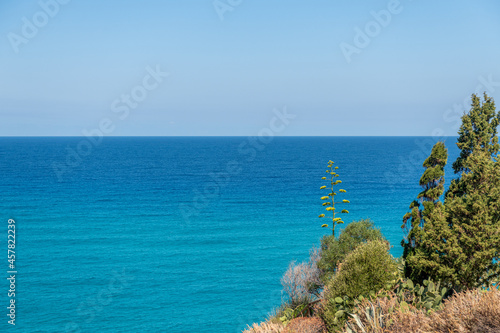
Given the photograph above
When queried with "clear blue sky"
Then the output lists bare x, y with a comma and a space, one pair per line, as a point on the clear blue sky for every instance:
226, 76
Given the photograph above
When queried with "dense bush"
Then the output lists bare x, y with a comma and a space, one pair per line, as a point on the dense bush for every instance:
369, 267
334, 250
366, 270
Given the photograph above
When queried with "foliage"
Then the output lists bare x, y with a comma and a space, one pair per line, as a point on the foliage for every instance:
365, 271
458, 242
429, 296
478, 129
291, 313
369, 267
384, 315
432, 182
335, 311
367, 317
330, 198
473, 202
334, 250
474, 217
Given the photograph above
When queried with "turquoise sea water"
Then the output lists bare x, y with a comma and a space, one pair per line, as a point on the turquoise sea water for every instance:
181, 234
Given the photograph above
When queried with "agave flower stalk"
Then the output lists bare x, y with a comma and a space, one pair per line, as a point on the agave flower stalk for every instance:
329, 199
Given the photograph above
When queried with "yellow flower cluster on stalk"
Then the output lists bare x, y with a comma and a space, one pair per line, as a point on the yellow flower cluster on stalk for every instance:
330, 198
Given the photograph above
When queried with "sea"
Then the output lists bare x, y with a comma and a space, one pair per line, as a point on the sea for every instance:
180, 234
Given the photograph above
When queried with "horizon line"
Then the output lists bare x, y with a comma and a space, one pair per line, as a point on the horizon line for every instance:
224, 136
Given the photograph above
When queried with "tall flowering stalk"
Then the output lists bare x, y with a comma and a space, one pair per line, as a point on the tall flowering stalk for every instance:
330, 198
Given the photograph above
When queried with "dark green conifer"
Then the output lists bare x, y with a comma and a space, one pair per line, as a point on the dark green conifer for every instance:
415, 222
478, 129
458, 242
473, 208
473, 201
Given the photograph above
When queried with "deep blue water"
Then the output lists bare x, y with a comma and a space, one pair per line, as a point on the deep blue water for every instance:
181, 234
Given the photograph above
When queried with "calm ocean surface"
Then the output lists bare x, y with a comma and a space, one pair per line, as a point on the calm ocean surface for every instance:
186, 234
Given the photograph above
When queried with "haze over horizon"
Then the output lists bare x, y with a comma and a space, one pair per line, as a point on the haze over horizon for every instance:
228, 67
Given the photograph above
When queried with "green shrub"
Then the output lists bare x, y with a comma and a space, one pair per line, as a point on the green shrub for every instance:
369, 267
334, 250
365, 271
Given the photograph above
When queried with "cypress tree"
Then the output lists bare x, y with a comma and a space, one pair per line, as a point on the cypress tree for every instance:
415, 222
473, 210
458, 242
478, 129
473, 201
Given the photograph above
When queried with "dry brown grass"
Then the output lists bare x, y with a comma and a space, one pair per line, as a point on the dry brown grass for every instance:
408, 320
265, 327
305, 325
386, 310
473, 311
297, 325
